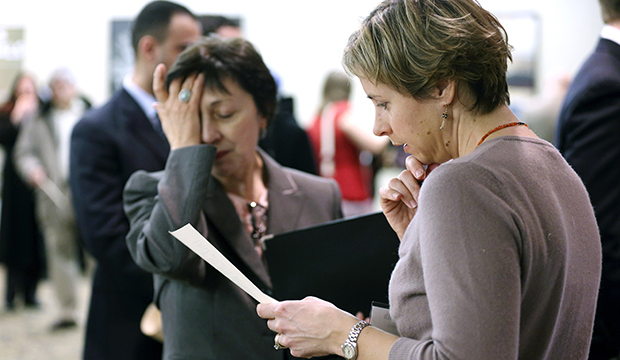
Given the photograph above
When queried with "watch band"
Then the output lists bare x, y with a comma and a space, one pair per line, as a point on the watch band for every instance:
349, 347
356, 330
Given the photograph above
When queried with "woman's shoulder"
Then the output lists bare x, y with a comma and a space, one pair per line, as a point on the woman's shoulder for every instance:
503, 154
497, 165
304, 179
143, 181
292, 180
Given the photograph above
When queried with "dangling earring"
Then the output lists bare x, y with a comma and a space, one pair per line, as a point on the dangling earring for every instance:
444, 116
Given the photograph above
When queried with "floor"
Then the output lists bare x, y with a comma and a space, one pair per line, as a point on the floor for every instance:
25, 335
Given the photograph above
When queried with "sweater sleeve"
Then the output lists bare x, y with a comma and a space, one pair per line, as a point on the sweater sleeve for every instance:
469, 250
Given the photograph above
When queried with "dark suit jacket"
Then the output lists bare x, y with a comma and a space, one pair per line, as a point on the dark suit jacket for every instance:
206, 316
107, 146
588, 135
287, 142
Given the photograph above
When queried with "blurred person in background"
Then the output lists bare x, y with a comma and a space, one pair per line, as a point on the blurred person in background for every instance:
222, 26
42, 159
22, 249
286, 141
107, 146
588, 136
343, 149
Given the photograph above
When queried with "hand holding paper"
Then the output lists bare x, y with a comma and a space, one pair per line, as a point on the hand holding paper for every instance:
189, 236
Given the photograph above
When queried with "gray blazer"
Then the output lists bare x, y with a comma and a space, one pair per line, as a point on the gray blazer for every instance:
205, 316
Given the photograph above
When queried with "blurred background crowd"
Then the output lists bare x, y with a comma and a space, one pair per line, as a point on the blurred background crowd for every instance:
59, 59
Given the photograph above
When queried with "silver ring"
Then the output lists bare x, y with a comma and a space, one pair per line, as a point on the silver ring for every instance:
184, 95
277, 344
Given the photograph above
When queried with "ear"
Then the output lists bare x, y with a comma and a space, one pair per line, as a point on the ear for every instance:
446, 89
147, 47
262, 122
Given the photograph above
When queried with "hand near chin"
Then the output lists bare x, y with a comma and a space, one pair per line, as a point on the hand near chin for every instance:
399, 199
310, 327
180, 120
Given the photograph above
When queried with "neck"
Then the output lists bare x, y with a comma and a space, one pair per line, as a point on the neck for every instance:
249, 185
615, 23
471, 128
143, 77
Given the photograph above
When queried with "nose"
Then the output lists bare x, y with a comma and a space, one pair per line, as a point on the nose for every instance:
210, 132
380, 127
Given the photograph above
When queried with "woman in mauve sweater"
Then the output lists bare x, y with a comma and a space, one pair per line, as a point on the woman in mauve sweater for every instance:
500, 255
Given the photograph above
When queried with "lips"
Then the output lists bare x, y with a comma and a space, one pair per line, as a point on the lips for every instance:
221, 154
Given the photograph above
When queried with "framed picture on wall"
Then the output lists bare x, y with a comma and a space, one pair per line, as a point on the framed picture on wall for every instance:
524, 32
12, 50
121, 62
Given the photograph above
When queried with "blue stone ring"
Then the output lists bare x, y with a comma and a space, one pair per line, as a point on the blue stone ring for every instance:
184, 95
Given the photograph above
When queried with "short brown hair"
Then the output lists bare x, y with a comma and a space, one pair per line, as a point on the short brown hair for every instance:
412, 45
610, 10
154, 19
235, 59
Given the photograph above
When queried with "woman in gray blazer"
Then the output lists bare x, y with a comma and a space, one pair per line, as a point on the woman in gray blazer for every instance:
214, 103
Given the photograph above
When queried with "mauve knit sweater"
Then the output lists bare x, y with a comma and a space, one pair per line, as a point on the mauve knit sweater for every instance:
502, 260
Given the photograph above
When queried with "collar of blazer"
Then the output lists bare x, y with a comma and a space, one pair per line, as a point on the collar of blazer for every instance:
285, 205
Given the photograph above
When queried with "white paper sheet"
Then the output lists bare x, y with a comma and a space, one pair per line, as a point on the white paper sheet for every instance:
189, 236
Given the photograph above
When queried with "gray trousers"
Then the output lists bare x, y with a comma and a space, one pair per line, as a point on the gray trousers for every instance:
57, 222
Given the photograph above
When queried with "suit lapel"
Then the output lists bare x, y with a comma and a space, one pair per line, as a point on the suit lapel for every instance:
608, 46
221, 212
141, 128
284, 192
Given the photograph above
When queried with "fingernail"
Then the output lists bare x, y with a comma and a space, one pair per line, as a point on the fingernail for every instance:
419, 173
413, 204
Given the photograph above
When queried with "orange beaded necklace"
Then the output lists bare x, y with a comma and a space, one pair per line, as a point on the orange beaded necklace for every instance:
516, 123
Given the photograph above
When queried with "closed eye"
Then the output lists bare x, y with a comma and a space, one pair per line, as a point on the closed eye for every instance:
225, 116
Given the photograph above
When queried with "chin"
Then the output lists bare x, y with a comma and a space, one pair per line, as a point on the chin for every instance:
220, 172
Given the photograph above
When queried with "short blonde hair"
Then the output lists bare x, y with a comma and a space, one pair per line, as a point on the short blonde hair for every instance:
412, 45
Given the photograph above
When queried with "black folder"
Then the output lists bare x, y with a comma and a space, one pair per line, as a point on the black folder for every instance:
347, 262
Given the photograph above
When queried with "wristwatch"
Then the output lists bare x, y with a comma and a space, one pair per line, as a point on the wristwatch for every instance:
349, 348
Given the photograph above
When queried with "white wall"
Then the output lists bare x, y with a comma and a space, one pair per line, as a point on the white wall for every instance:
300, 40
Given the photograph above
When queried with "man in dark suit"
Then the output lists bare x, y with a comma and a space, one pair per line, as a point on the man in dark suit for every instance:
588, 135
287, 142
107, 146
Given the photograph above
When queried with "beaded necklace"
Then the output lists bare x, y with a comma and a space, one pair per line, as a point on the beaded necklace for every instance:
516, 123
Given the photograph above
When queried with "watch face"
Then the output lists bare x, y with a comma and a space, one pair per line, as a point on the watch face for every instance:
348, 351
